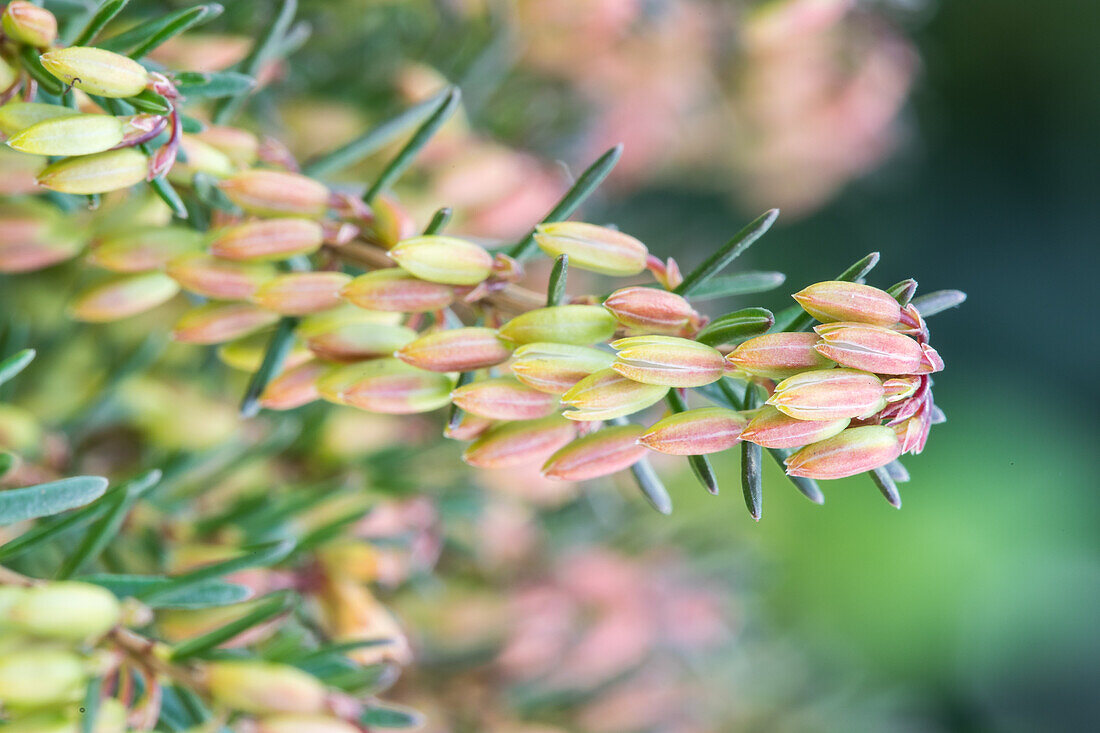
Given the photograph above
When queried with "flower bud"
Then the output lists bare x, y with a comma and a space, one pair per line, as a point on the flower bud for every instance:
40, 676
276, 193
467, 427
65, 610
778, 355
390, 222
930, 360
597, 454
772, 429
268, 239
829, 394
607, 394
519, 443
97, 71
504, 398
294, 387
579, 325
8, 76
343, 315
98, 173
896, 389
852, 451
668, 361
870, 348
912, 433
592, 247
241, 146
144, 249
387, 386
393, 289
299, 293
358, 341
69, 135
25, 22
304, 724
651, 310
264, 687
446, 260
216, 323
554, 368
456, 350
217, 278
123, 297
201, 157
696, 432
837, 300
32, 238
17, 116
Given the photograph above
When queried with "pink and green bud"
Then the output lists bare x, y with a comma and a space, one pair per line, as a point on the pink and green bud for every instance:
930, 360
592, 247
668, 361
294, 387
504, 398
696, 432
76, 134
607, 394
358, 341
144, 249
97, 71
444, 260
829, 394
387, 386
276, 193
394, 289
25, 22
651, 310
28, 255
852, 451
456, 350
268, 239
220, 279
302, 724
36, 677
520, 443
603, 452
65, 610
241, 146
202, 157
837, 300
468, 427
870, 348
124, 297
247, 354
98, 173
264, 687
773, 429
555, 368
579, 325
217, 323
389, 222
18, 116
900, 388
301, 293
778, 355
912, 433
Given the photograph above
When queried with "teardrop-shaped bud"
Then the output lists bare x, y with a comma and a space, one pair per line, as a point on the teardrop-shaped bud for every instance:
607, 394
264, 687
446, 260
696, 432
520, 443
201, 157
216, 323
37, 676
838, 300
555, 368
27, 245
467, 427
603, 452
388, 386
772, 429
778, 355
96, 71
852, 451
217, 278
389, 222
66, 610
931, 361
456, 350
912, 433
900, 388
144, 248
829, 394
17, 116
241, 146
98, 173
69, 135
25, 22
870, 348
394, 289
592, 247
123, 297
504, 398
651, 310
276, 193
668, 361
299, 293
358, 341
294, 387
580, 325
268, 239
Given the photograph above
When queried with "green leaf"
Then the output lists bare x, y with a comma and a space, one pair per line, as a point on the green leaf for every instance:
196, 85
47, 530
191, 125
700, 464
15, 363
144, 37
207, 191
807, 486
555, 292
741, 283
404, 157
340, 650
104, 15
262, 555
207, 594
439, 220
884, 482
282, 341
167, 193
7, 462
647, 479
733, 328
796, 319
43, 500
89, 709
728, 253
903, 291
266, 48
751, 475
377, 716
265, 608
939, 301
586, 184
150, 101
47, 82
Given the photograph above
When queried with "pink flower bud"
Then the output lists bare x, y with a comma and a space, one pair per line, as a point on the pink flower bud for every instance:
519, 443
900, 388
392, 387
930, 360
218, 278
772, 429
912, 433
25, 22
468, 427
668, 361
395, 290
696, 432
870, 348
597, 454
607, 394
580, 325
829, 394
294, 387
241, 146
358, 341
216, 323
504, 398
123, 297
145, 248
554, 368
299, 293
276, 193
456, 350
446, 260
837, 300
268, 239
651, 310
592, 247
852, 451
389, 222
778, 355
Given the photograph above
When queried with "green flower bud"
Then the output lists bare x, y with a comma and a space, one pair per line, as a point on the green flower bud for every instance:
69, 135
580, 325
263, 687
96, 71
446, 260
145, 248
37, 677
25, 22
66, 610
99, 173
592, 247
123, 297
16, 116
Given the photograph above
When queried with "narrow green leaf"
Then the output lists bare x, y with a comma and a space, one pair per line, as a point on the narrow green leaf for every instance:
741, 283
439, 220
733, 328
897, 471
47, 82
938, 301
104, 15
330, 530
555, 292
207, 190
282, 341
266, 608
167, 193
195, 85
150, 101
207, 594
807, 486
144, 37
586, 183
886, 485
373, 139
7, 462
47, 530
404, 157
751, 476
903, 291
89, 709
261, 555
648, 480
43, 500
191, 125
700, 465
266, 48
339, 649
796, 319
728, 253
390, 717
15, 363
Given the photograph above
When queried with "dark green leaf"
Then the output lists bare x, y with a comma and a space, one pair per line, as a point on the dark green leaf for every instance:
167, 193
648, 480
940, 300
150, 101
903, 291
15, 363
47, 82
751, 477
282, 341
207, 594
104, 15
886, 485
191, 125
7, 462
89, 709
439, 220
194, 85
741, 283
733, 328
390, 717
265, 608
55, 497
807, 486
207, 190
555, 291
700, 465
262, 555
728, 253
265, 49
46, 530
144, 37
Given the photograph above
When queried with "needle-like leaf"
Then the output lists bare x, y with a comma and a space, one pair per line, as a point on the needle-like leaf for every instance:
102, 16
266, 608
938, 301
885, 484
555, 291
700, 465
751, 478
43, 500
15, 363
730, 251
